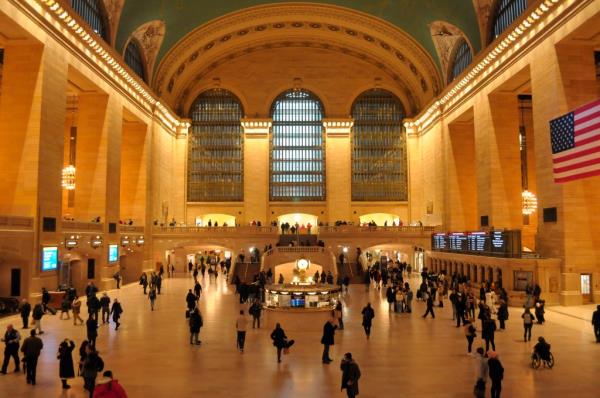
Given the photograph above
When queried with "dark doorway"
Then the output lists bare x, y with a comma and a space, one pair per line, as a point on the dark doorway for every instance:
15, 282
91, 269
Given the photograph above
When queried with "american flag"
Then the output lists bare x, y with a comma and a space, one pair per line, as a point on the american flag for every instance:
576, 143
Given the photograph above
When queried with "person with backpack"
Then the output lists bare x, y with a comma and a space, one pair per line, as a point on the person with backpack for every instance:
496, 373
195, 325
38, 313
76, 307
368, 314
92, 364
470, 334
527, 324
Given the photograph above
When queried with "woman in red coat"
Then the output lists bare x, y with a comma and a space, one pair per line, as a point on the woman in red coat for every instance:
107, 387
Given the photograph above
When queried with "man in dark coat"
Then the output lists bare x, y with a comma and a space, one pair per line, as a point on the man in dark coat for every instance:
429, 307
92, 330
116, 310
11, 341
32, 346
65, 357
195, 325
596, 323
25, 311
190, 300
328, 339
350, 375
496, 372
105, 305
368, 314
93, 305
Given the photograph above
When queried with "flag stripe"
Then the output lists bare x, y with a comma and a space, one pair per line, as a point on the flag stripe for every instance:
588, 106
578, 176
588, 138
575, 160
577, 165
589, 115
586, 127
584, 169
575, 152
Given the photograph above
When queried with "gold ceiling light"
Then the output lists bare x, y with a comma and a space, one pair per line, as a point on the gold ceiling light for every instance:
529, 202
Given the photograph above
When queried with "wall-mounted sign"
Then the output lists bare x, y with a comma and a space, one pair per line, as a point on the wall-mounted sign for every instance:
113, 253
490, 243
49, 258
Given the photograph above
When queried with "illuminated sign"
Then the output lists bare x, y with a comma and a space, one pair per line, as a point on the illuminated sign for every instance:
113, 253
49, 258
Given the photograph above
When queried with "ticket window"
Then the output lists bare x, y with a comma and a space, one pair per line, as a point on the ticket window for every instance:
586, 288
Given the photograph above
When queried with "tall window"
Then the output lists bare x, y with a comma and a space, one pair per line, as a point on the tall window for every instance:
506, 12
378, 148
297, 148
134, 59
462, 59
215, 148
92, 12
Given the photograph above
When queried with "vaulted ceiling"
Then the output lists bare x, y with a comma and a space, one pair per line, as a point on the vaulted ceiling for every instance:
181, 17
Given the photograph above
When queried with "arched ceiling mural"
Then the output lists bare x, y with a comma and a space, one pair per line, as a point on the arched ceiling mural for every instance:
412, 16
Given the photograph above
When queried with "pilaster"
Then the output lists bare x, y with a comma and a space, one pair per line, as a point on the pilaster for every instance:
338, 168
256, 169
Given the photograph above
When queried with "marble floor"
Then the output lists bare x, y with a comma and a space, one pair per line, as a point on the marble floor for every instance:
406, 356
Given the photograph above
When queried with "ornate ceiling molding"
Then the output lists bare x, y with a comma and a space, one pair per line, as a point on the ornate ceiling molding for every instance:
484, 10
150, 37
446, 38
113, 12
302, 22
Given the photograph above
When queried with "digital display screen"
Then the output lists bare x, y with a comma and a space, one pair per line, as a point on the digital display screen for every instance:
113, 253
493, 243
49, 258
458, 241
478, 241
439, 241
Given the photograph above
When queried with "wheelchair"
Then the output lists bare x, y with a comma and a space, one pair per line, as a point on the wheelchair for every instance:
537, 361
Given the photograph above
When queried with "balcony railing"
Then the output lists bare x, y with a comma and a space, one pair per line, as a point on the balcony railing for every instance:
138, 229
16, 223
295, 249
358, 229
249, 229
78, 226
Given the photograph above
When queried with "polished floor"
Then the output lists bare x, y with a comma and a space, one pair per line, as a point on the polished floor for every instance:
406, 356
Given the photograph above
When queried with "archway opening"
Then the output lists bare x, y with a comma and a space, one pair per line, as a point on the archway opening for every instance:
380, 219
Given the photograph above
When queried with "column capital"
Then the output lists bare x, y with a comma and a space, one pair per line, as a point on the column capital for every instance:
182, 128
338, 127
256, 128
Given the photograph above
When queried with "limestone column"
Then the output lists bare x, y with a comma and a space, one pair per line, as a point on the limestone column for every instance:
256, 170
338, 168
179, 192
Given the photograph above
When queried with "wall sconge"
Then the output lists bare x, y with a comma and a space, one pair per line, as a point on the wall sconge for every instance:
68, 178
96, 241
140, 241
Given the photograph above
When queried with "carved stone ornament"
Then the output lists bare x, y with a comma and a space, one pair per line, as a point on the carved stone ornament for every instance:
150, 37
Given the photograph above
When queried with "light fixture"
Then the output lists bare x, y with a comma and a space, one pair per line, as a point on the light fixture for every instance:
529, 202
68, 178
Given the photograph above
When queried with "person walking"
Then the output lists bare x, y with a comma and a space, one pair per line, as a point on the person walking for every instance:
107, 387
390, 295
65, 358
409, 299
38, 313
280, 340
527, 324
25, 310
429, 307
190, 300
339, 315
197, 290
256, 311
12, 340
368, 314
195, 325
65, 304
94, 306
105, 305
470, 334
76, 306
92, 364
350, 375
496, 373
240, 324
328, 340
481, 371
502, 314
144, 281
92, 330
488, 332
152, 297
32, 346
116, 311
596, 323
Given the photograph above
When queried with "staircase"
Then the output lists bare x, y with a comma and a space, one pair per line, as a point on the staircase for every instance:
246, 271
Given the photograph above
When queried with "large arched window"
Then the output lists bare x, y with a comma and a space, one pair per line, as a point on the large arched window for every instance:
462, 58
378, 148
92, 12
297, 148
506, 12
134, 59
215, 148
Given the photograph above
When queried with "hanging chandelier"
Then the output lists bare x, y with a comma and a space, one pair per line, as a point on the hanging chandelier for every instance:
68, 178
529, 202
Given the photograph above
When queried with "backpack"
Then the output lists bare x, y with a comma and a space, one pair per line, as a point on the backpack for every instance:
37, 311
527, 318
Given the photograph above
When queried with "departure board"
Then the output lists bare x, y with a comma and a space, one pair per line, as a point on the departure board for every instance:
500, 243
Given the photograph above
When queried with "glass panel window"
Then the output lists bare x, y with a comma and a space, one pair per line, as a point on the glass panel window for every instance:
586, 282
215, 148
462, 59
134, 59
92, 12
297, 148
506, 12
378, 148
